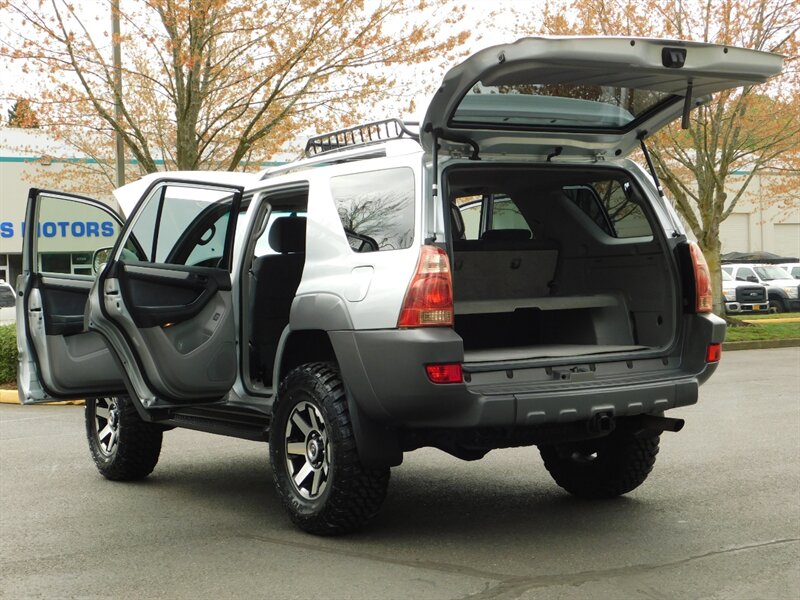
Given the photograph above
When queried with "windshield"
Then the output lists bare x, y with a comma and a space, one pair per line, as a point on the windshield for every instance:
556, 105
726, 276
770, 273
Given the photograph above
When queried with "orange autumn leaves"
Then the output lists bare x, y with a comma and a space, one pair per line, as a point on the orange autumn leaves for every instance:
216, 84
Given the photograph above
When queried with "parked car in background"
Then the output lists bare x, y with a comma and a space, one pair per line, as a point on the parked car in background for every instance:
7, 302
792, 268
743, 296
782, 289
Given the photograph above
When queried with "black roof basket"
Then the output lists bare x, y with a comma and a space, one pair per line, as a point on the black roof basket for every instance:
361, 135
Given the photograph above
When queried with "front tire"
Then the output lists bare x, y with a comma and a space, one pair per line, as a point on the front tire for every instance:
778, 305
123, 446
314, 458
602, 468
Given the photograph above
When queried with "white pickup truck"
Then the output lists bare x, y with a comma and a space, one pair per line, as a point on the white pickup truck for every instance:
743, 296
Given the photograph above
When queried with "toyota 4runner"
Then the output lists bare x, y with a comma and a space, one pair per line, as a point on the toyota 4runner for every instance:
499, 276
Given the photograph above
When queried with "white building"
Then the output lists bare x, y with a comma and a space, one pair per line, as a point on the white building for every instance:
31, 158
761, 221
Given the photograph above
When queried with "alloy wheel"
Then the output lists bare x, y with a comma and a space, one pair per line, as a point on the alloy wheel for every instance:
307, 450
106, 423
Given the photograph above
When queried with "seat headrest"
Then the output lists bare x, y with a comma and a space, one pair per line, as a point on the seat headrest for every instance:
506, 235
288, 234
456, 222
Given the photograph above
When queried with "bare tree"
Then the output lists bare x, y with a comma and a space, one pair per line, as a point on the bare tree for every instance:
217, 84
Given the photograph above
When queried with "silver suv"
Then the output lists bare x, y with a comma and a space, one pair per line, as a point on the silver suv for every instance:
499, 276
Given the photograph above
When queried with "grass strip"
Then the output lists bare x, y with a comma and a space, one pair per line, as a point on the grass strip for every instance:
763, 331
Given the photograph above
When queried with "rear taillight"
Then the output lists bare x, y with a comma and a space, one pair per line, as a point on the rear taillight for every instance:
704, 298
713, 353
429, 299
445, 373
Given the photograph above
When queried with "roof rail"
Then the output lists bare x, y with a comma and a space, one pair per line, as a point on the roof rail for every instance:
360, 135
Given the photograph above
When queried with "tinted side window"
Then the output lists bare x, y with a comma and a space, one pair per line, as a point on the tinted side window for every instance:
506, 214
68, 232
181, 225
503, 214
614, 206
376, 209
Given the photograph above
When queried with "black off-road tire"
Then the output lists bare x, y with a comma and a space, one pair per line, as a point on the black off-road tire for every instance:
311, 429
604, 468
123, 446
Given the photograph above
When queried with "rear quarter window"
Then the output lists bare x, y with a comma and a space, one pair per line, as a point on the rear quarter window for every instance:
376, 208
614, 206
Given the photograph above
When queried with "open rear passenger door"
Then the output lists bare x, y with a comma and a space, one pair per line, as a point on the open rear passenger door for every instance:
58, 358
163, 301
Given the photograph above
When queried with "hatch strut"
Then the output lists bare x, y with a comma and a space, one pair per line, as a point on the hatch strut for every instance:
436, 134
642, 135
687, 106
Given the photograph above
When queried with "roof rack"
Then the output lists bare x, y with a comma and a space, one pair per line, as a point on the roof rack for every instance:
360, 135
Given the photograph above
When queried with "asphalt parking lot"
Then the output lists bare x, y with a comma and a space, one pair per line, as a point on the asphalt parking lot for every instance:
718, 518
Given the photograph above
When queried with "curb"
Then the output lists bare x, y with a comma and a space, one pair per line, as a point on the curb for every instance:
12, 397
760, 344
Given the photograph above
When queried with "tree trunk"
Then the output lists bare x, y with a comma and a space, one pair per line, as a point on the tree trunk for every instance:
710, 245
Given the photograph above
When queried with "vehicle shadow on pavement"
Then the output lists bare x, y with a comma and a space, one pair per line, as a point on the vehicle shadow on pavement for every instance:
451, 499
532, 506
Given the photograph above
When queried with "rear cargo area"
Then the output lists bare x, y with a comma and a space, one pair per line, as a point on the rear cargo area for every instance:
554, 262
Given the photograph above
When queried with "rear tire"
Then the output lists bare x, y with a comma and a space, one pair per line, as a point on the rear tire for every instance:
123, 446
314, 458
601, 468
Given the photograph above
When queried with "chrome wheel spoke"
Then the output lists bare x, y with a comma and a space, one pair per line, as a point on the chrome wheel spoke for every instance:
105, 432
296, 448
312, 413
301, 475
101, 411
112, 442
301, 424
315, 482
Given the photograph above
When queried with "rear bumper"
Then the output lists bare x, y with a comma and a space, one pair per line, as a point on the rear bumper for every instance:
384, 373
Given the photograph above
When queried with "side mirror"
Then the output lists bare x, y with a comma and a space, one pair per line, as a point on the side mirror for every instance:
100, 258
752, 278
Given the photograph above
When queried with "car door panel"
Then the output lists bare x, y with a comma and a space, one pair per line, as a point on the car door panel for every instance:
72, 365
159, 294
172, 325
65, 301
58, 358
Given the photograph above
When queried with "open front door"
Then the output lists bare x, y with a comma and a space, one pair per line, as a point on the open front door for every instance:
164, 300
58, 358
